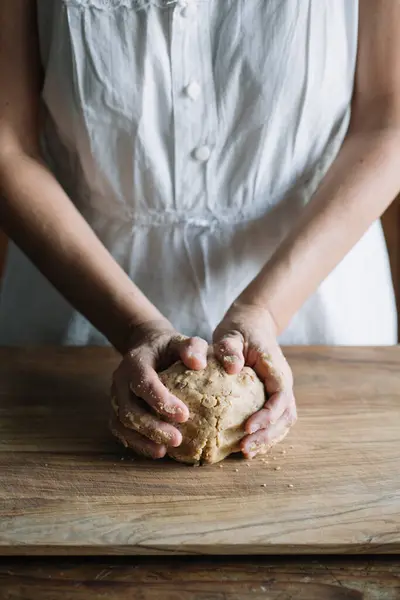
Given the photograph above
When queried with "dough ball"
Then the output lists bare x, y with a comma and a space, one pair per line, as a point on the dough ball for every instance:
219, 406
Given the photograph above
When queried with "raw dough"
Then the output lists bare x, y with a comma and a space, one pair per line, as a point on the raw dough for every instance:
219, 405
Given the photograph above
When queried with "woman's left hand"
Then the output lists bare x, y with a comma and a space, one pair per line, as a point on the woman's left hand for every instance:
247, 336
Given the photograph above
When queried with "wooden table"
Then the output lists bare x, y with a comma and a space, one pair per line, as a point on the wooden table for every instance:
66, 487
245, 578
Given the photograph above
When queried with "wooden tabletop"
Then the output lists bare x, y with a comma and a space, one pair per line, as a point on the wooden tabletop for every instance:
66, 487
246, 578
59, 466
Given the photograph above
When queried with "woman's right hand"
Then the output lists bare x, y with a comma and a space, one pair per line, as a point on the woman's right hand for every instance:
138, 394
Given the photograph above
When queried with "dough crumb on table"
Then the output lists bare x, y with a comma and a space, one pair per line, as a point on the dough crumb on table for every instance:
219, 406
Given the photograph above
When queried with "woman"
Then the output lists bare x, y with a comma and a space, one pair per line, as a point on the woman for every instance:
231, 158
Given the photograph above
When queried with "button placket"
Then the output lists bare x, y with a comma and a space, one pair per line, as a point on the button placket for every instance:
191, 105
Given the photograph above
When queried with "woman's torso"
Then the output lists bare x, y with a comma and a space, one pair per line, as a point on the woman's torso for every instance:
190, 135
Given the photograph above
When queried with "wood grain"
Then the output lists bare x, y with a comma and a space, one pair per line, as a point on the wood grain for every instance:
66, 487
254, 578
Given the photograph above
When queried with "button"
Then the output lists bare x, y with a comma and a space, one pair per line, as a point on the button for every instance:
193, 90
202, 153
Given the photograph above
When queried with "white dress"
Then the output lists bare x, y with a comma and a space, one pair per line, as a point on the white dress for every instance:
190, 135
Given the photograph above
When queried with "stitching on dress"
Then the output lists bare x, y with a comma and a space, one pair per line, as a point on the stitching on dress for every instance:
113, 4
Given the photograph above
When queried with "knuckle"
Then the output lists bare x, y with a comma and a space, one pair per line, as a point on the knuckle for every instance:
285, 369
128, 417
288, 374
291, 415
126, 421
132, 356
228, 344
285, 380
137, 360
224, 341
116, 430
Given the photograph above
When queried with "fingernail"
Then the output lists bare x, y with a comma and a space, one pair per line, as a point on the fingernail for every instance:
197, 356
170, 409
251, 454
254, 447
254, 427
231, 358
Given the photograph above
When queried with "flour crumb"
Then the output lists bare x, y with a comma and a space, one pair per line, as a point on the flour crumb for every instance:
290, 485
263, 485
236, 470
277, 468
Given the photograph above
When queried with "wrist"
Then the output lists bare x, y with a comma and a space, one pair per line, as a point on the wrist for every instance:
127, 327
149, 330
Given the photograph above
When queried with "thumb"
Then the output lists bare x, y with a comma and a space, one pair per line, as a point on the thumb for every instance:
228, 348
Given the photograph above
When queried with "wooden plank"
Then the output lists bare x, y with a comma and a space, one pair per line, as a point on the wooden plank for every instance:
66, 487
363, 578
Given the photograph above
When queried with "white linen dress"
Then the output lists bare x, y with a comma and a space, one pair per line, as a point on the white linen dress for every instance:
190, 134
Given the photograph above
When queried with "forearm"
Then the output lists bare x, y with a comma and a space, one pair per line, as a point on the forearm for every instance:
37, 214
360, 185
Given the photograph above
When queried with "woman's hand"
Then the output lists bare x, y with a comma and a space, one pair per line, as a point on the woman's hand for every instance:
137, 388
247, 336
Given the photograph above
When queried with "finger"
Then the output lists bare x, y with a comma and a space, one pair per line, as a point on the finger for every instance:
135, 441
271, 413
191, 351
229, 351
146, 384
274, 370
263, 440
134, 414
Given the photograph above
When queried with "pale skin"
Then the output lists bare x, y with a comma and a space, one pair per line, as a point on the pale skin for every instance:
38, 215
